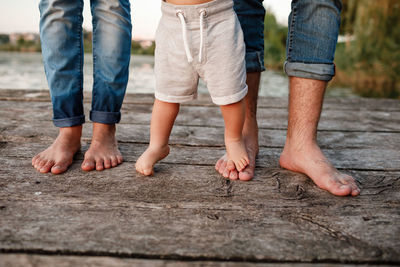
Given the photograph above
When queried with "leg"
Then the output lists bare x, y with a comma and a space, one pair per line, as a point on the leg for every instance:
162, 120
111, 56
250, 134
61, 37
251, 16
311, 42
234, 115
301, 152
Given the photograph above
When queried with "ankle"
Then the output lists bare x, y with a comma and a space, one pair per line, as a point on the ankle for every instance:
103, 131
104, 128
229, 138
300, 145
158, 146
73, 132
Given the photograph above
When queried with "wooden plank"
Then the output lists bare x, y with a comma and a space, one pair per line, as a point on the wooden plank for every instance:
27, 260
186, 211
15, 131
279, 216
273, 118
342, 158
360, 104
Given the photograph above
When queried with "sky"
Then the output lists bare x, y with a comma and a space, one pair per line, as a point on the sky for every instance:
23, 15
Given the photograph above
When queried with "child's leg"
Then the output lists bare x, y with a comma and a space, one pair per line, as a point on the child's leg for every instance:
234, 115
162, 120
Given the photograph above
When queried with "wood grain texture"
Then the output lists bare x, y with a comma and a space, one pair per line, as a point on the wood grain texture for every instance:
28, 260
186, 214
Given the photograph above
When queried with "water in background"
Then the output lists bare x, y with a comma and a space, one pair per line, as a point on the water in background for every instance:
25, 71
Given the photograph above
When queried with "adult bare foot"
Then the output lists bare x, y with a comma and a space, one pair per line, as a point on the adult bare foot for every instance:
151, 156
311, 161
103, 152
59, 156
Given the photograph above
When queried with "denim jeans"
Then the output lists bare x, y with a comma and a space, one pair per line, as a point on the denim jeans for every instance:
311, 42
62, 50
251, 15
312, 37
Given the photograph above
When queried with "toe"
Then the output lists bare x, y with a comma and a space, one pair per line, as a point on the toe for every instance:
222, 167
148, 172
114, 161
120, 159
137, 167
247, 174
47, 167
58, 168
341, 190
34, 160
88, 164
225, 173
233, 175
40, 164
99, 165
350, 181
355, 192
239, 166
218, 164
107, 163
230, 165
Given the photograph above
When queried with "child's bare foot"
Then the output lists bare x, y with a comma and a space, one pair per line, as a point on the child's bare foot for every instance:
103, 152
311, 161
250, 136
151, 156
58, 157
237, 154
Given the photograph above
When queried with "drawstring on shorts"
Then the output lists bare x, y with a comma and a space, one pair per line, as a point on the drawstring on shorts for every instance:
181, 16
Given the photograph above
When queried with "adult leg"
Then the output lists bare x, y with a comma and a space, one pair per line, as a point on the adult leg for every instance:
62, 50
251, 16
162, 121
111, 55
313, 31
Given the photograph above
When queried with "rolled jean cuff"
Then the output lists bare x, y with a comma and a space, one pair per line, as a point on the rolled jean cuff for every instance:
69, 122
105, 117
255, 61
322, 72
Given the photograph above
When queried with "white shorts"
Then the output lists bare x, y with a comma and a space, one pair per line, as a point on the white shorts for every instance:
179, 63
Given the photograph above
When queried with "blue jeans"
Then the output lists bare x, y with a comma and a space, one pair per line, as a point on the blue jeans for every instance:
251, 15
62, 50
312, 36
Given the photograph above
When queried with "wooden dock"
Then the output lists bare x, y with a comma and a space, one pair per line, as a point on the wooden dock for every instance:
186, 214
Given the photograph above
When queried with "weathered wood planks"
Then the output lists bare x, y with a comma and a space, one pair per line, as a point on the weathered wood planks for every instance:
187, 212
26, 260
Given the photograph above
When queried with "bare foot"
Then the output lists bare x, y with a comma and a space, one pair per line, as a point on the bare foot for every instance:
151, 156
250, 136
312, 162
58, 157
236, 151
103, 152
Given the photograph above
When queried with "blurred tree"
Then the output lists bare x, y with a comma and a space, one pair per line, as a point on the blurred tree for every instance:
4, 39
275, 41
374, 55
